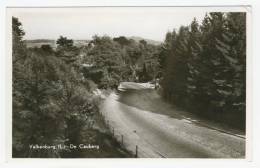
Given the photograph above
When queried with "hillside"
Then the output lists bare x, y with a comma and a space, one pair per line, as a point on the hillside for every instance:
149, 41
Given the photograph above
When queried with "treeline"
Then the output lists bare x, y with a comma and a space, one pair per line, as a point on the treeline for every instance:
109, 61
204, 67
52, 101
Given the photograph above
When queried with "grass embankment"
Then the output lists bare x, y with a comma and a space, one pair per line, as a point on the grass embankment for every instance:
151, 100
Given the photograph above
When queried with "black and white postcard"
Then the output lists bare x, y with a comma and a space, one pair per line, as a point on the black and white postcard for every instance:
128, 82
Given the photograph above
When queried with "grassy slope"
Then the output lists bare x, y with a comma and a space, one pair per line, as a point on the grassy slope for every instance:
150, 100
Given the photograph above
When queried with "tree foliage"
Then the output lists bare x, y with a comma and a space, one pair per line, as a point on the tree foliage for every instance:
119, 59
204, 66
51, 99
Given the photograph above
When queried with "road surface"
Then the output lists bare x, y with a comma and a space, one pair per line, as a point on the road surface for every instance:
139, 116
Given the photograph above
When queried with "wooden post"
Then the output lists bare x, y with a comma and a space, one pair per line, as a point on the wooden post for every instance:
136, 151
122, 139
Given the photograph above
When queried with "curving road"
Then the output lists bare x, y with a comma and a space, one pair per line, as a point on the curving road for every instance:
161, 130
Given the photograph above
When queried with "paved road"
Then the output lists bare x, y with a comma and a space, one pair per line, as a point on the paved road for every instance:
160, 130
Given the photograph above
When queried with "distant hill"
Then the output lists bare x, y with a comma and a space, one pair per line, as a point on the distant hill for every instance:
39, 42
149, 41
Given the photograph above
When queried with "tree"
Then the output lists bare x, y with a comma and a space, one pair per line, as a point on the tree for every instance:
51, 101
168, 54
107, 62
64, 42
233, 49
122, 40
194, 89
18, 51
67, 51
204, 67
176, 70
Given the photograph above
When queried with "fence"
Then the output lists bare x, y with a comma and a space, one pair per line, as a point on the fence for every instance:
120, 137
137, 149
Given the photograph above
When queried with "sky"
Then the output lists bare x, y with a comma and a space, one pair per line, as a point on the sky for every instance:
82, 23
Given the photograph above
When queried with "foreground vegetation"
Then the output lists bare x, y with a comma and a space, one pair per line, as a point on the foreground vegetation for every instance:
204, 67
53, 103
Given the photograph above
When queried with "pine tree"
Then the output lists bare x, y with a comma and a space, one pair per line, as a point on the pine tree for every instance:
167, 56
67, 51
204, 67
233, 50
193, 63
213, 65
